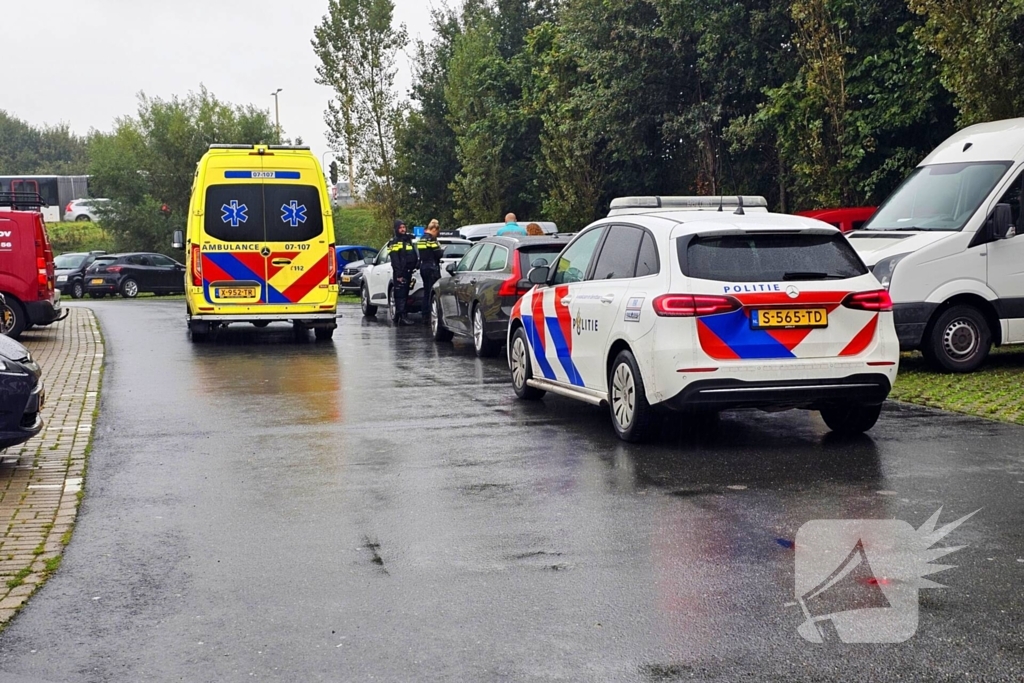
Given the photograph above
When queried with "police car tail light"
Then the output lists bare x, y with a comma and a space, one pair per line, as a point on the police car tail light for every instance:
332, 265
694, 305
878, 301
197, 267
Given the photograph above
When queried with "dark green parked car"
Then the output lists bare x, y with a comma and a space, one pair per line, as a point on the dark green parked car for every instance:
477, 300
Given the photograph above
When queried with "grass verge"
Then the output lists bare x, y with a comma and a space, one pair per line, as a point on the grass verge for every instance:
995, 392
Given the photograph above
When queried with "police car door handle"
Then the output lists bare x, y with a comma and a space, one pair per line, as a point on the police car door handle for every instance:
607, 298
566, 301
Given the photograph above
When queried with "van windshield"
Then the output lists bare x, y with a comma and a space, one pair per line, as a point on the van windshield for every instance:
253, 212
939, 197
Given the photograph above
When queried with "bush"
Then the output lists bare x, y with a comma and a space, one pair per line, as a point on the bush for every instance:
71, 237
357, 225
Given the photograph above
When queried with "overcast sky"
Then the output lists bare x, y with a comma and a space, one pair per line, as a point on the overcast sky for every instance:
83, 62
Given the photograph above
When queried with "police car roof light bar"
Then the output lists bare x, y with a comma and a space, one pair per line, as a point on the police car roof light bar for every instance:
690, 202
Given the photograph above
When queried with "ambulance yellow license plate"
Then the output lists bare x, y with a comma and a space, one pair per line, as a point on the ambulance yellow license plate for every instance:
235, 292
775, 318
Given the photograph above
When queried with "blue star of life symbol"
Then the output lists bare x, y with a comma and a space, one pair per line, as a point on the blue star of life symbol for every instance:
293, 213
234, 213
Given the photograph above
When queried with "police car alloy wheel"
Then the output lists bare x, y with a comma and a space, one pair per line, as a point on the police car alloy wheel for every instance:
392, 306
369, 310
522, 372
632, 415
959, 341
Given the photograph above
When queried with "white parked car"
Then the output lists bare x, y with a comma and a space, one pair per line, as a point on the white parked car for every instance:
377, 290
84, 209
948, 245
707, 311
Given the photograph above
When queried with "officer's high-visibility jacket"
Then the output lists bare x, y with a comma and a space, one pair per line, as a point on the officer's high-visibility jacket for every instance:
430, 254
404, 259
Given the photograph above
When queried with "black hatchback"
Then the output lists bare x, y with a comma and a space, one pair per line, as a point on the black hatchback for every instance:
131, 274
477, 300
21, 394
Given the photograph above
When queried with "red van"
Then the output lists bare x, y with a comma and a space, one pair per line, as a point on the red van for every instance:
26, 266
845, 219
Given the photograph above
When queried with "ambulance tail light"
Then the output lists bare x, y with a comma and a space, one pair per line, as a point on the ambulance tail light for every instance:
332, 265
197, 266
877, 301
515, 286
694, 305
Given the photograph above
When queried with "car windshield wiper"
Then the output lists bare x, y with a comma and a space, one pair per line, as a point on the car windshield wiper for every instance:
800, 274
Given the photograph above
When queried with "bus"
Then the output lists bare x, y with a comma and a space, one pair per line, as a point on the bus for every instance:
55, 190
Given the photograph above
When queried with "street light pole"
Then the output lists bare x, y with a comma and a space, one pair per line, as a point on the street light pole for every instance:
277, 114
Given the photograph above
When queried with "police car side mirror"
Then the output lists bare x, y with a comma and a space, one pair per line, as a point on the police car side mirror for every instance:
1001, 222
538, 275
178, 240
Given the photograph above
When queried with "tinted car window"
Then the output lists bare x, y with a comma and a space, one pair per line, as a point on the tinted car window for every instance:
348, 255
467, 261
770, 257
161, 260
527, 257
102, 262
234, 213
574, 263
618, 255
483, 258
499, 259
292, 213
647, 262
1015, 198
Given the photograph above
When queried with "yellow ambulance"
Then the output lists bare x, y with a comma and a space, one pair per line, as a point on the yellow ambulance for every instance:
259, 246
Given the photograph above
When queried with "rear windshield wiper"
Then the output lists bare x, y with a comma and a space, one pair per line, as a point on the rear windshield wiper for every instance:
807, 275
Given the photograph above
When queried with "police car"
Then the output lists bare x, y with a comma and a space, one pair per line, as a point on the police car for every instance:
377, 289
707, 310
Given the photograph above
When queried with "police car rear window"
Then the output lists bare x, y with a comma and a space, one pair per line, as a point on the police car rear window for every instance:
753, 257
253, 212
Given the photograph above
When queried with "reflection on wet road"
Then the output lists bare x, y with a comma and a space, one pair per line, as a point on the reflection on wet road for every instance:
383, 508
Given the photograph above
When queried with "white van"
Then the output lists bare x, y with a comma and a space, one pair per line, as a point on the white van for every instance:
947, 247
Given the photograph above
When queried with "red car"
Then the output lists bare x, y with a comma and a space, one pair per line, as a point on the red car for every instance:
26, 266
844, 219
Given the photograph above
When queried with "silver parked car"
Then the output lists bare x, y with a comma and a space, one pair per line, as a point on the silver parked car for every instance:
84, 209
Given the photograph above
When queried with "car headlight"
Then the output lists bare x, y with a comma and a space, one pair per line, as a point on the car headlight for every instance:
62, 278
884, 269
11, 368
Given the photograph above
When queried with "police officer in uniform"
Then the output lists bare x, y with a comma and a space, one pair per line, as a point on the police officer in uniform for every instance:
404, 262
430, 264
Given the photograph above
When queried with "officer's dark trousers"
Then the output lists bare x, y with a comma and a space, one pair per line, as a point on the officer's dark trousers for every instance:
429, 276
401, 296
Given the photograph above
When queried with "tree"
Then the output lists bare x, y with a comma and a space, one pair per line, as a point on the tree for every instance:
979, 43
50, 150
357, 44
150, 160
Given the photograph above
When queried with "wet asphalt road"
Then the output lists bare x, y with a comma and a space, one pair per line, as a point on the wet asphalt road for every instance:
382, 508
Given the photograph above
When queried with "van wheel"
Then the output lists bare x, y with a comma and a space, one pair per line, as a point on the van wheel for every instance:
521, 367
323, 333
12, 318
199, 332
632, 416
484, 347
129, 288
959, 340
369, 310
77, 290
851, 420
437, 328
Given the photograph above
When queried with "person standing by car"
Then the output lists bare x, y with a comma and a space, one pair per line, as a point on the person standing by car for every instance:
511, 227
404, 261
430, 263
